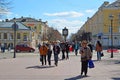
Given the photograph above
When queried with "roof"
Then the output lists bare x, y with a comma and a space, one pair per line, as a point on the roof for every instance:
9, 25
115, 4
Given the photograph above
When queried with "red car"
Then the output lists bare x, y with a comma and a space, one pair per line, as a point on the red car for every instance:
24, 48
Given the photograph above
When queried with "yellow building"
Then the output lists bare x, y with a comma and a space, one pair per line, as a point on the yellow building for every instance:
23, 34
100, 24
37, 27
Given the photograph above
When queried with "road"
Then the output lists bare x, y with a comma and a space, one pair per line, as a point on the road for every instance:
26, 66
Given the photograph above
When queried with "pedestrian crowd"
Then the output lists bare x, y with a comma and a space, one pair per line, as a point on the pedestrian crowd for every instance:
85, 49
46, 50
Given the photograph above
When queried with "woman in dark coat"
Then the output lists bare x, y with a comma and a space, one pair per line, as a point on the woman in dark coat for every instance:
56, 50
49, 53
67, 50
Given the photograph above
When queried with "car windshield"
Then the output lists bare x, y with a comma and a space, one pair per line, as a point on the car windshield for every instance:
23, 45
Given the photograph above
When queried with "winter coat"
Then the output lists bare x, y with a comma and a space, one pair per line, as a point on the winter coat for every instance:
98, 48
43, 50
56, 49
86, 54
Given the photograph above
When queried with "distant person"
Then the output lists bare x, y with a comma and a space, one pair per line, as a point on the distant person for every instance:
43, 52
67, 50
98, 49
9, 47
70, 48
86, 55
56, 50
62, 45
39, 45
73, 46
76, 48
2, 48
49, 53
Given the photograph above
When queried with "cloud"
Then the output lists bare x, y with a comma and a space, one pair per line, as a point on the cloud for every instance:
4, 11
65, 14
90, 11
73, 26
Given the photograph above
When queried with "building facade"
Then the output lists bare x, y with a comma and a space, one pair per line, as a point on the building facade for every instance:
100, 24
38, 28
23, 34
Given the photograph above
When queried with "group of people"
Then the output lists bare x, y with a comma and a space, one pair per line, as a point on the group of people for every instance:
46, 51
85, 50
3, 47
65, 49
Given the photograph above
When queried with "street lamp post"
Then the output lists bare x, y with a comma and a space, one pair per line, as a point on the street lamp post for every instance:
65, 33
14, 27
111, 19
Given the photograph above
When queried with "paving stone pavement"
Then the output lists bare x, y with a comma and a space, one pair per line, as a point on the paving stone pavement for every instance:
26, 66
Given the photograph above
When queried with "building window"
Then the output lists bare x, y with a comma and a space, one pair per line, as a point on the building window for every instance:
25, 37
5, 36
11, 36
18, 35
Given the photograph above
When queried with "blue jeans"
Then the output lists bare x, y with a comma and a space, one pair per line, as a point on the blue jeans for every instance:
56, 58
98, 55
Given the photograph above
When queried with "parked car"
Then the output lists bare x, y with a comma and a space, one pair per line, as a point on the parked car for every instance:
24, 48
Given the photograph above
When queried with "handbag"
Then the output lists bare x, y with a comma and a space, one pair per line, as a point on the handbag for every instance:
91, 64
102, 54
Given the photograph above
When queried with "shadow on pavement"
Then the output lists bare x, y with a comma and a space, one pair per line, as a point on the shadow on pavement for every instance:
39, 67
76, 77
58, 59
117, 62
116, 78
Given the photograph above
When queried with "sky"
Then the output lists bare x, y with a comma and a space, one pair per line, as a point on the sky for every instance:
71, 14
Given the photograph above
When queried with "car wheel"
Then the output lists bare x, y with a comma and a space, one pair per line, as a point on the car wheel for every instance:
31, 50
18, 51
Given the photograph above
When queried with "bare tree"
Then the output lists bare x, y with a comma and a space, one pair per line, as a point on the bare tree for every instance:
53, 34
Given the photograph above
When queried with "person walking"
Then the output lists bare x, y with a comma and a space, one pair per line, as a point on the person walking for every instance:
86, 55
49, 53
2, 48
76, 48
67, 50
62, 45
56, 50
98, 49
43, 52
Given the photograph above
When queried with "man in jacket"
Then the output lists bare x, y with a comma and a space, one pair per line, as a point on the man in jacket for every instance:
56, 50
